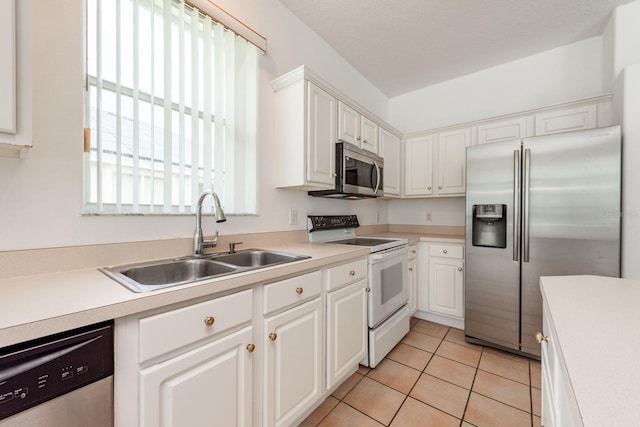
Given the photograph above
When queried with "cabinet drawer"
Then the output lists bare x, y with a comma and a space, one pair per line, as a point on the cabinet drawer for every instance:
413, 252
169, 331
447, 251
287, 292
346, 273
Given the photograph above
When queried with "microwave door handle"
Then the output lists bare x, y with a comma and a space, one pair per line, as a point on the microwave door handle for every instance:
375, 165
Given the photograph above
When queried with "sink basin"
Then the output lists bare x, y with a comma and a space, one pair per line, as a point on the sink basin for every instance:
154, 275
257, 258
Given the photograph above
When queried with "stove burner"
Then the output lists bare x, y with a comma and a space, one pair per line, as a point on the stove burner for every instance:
361, 241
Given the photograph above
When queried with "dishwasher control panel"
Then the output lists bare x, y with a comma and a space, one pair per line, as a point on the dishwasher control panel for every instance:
36, 371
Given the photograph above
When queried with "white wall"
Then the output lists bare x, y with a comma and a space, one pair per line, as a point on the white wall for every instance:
446, 211
622, 42
563, 74
41, 197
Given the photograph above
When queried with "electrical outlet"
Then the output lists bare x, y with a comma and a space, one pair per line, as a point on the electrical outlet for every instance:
293, 217
428, 216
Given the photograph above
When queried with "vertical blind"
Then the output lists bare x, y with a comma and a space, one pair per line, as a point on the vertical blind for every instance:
171, 102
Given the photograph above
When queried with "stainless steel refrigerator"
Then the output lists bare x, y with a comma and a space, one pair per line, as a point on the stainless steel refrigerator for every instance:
540, 206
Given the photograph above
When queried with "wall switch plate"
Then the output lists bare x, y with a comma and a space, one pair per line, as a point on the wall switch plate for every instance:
293, 217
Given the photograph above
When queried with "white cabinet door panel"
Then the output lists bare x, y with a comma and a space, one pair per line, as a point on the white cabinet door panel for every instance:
321, 135
446, 287
348, 124
452, 152
390, 152
418, 169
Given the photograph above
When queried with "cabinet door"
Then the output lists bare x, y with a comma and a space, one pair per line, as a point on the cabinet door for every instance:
418, 166
293, 363
368, 134
505, 130
452, 153
390, 152
346, 331
576, 118
8, 68
208, 386
413, 286
321, 135
348, 124
446, 286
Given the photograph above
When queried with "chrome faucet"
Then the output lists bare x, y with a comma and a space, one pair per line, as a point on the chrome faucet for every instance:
198, 238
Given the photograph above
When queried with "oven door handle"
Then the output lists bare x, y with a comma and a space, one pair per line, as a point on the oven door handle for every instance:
390, 253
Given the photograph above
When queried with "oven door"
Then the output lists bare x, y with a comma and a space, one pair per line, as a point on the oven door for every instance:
388, 283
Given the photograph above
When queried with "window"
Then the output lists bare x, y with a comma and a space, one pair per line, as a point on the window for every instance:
171, 105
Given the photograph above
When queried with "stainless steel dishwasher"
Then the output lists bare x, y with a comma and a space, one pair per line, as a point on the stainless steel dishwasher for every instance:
61, 380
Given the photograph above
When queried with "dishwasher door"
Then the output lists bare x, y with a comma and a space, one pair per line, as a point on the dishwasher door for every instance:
60, 380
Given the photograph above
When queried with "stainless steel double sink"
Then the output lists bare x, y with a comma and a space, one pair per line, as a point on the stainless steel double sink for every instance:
160, 274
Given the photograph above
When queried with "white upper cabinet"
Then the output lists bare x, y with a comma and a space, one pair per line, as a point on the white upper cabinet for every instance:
357, 129
8, 69
348, 124
568, 119
306, 129
452, 152
506, 130
390, 151
418, 173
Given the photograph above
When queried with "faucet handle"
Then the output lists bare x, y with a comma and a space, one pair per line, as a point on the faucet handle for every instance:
232, 247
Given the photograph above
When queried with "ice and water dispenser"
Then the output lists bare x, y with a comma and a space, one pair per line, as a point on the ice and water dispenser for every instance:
490, 226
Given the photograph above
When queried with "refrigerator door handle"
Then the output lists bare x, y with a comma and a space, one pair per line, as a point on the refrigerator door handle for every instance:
516, 203
525, 206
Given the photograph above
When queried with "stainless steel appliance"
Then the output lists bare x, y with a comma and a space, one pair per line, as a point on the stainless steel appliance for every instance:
359, 174
63, 380
387, 311
542, 206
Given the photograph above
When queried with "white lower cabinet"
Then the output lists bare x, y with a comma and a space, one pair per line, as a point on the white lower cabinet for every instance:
441, 283
262, 356
559, 406
413, 279
211, 385
293, 363
346, 331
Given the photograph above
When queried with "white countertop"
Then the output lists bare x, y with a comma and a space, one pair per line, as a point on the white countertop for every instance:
422, 237
40, 305
597, 321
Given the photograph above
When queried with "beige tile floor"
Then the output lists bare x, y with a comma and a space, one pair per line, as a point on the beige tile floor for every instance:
434, 378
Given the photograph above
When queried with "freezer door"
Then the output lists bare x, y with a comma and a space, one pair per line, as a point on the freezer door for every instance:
571, 224
492, 274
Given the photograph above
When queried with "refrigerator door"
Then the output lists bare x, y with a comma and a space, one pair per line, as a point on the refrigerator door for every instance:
492, 274
571, 224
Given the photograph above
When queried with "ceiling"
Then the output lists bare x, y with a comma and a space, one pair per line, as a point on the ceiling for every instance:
404, 45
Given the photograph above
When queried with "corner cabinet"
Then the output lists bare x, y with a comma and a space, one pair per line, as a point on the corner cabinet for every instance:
306, 134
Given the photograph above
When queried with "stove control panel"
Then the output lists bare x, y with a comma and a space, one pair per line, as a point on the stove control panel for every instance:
330, 222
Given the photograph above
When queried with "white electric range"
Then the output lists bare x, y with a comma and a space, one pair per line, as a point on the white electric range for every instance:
387, 305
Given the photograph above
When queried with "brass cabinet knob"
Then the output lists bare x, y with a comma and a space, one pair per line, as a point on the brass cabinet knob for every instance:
367, 289
444, 251
410, 268
209, 320
334, 174
429, 188
273, 336
365, 141
413, 251
440, 187
352, 273
250, 348
541, 338
299, 291
358, 139
459, 268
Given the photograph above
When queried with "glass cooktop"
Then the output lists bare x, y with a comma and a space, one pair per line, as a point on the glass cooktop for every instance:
363, 241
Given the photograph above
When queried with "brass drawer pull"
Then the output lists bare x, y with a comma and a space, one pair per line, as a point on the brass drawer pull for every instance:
299, 291
459, 268
250, 348
273, 336
367, 289
209, 320
444, 251
352, 273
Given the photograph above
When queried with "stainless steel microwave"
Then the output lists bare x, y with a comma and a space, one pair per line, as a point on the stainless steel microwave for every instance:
359, 174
